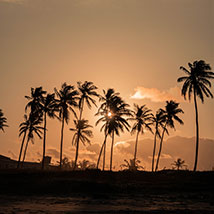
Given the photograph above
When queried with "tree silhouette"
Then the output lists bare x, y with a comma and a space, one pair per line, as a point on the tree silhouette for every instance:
105, 113
81, 134
197, 82
67, 99
179, 164
170, 112
3, 121
142, 118
87, 91
112, 111
158, 121
30, 126
48, 109
132, 165
35, 101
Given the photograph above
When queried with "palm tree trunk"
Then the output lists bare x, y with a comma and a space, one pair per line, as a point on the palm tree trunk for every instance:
26, 146
20, 154
77, 151
112, 145
61, 144
81, 110
44, 141
197, 133
104, 156
135, 151
98, 161
161, 143
153, 156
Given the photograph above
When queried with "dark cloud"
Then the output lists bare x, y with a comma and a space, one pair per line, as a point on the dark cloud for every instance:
94, 148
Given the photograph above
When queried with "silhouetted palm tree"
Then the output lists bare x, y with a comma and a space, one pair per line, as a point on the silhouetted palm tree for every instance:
171, 111
48, 109
30, 126
3, 121
87, 91
158, 121
142, 118
132, 165
197, 83
179, 163
35, 101
112, 113
105, 113
81, 134
67, 100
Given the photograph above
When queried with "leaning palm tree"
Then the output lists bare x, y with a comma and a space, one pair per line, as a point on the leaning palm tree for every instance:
87, 91
179, 164
48, 109
171, 111
30, 126
112, 115
81, 134
142, 118
197, 82
158, 121
3, 121
67, 99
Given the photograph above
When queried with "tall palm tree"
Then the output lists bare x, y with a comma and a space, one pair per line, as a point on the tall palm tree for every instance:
158, 121
3, 121
67, 99
87, 91
171, 111
81, 134
112, 113
142, 118
197, 82
30, 126
48, 109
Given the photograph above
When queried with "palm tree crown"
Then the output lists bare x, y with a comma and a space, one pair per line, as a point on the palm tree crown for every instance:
3, 121
197, 80
87, 91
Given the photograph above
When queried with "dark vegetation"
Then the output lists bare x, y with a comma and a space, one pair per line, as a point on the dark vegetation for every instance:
96, 183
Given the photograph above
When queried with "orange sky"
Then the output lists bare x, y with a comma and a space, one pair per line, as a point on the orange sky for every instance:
135, 47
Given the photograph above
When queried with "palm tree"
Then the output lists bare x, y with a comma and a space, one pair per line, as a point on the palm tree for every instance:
3, 121
81, 134
112, 112
28, 128
35, 101
87, 91
179, 163
171, 111
107, 100
48, 108
197, 82
142, 118
67, 100
132, 165
158, 121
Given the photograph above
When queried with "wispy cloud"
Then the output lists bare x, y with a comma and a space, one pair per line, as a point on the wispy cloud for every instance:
156, 95
13, 1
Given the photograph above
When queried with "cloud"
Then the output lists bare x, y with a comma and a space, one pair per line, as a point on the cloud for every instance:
13, 1
156, 95
12, 154
53, 152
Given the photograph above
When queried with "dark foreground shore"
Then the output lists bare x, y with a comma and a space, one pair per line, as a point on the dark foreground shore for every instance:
24, 191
